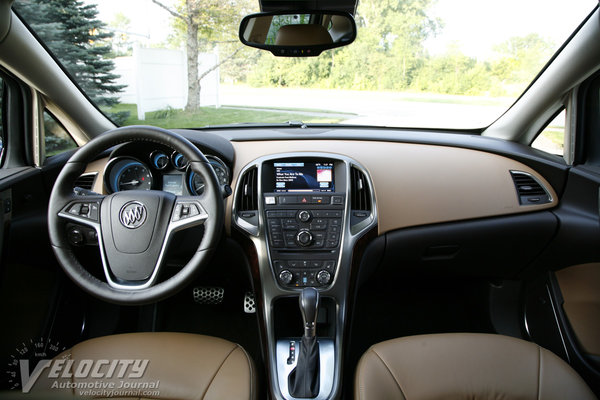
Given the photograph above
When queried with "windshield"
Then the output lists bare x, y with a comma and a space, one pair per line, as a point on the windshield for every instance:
415, 63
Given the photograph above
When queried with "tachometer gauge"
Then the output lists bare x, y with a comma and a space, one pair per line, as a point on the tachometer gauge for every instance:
195, 183
127, 174
159, 159
179, 161
220, 169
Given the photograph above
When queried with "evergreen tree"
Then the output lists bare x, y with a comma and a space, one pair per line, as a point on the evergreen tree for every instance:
72, 31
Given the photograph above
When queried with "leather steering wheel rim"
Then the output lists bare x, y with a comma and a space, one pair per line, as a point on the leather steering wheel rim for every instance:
211, 202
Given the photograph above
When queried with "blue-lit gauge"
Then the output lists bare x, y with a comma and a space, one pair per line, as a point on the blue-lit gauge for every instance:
159, 160
128, 174
196, 183
179, 161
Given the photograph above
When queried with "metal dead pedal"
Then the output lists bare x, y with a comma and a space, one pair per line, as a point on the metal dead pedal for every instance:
249, 303
208, 295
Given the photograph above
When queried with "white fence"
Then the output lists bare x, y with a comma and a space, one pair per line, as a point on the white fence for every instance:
157, 79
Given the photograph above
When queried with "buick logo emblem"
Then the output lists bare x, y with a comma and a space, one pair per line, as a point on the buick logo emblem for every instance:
133, 215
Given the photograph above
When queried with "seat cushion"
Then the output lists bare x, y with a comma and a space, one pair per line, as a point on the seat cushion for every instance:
180, 366
465, 366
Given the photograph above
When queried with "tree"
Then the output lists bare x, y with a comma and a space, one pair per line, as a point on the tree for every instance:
73, 32
203, 21
520, 58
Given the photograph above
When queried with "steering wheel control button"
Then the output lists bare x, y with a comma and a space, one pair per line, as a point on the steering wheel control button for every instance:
75, 236
133, 215
304, 238
286, 277
87, 210
184, 211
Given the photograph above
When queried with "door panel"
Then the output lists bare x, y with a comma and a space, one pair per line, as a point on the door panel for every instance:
580, 286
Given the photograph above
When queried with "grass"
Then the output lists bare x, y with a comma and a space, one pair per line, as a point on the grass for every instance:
210, 116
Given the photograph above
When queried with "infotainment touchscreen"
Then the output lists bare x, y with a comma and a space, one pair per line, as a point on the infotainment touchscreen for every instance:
303, 176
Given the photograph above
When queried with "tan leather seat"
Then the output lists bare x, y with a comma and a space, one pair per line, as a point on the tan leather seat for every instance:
180, 366
465, 366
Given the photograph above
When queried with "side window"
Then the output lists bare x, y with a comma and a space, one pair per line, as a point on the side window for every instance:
552, 138
56, 137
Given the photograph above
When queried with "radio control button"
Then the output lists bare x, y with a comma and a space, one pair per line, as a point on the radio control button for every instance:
304, 216
304, 238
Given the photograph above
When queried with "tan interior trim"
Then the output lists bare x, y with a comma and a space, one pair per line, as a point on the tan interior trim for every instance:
98, 167
416, 184
580, 287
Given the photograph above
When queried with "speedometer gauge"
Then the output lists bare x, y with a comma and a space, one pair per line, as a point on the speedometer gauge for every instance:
124, 173
134, 176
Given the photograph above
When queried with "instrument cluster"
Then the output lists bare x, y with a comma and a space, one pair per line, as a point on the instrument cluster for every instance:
159, 170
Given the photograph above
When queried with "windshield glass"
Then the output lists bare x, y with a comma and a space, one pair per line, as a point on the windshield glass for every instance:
415, 63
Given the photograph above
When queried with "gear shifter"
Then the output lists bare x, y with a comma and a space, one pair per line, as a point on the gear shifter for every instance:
303, 381
309, 307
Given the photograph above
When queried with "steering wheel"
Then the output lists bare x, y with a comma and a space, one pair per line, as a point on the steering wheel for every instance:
134, 227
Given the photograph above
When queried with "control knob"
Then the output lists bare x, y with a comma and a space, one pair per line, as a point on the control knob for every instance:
304, 238
304, 216
286, 276
323, 277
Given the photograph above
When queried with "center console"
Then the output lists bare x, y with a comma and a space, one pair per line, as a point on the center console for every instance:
303, 213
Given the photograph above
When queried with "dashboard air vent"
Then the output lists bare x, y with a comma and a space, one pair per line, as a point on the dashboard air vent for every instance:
529, 190
248, 198
360, 194
86, 181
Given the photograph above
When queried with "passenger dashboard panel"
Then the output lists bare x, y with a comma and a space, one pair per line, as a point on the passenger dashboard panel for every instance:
416, 184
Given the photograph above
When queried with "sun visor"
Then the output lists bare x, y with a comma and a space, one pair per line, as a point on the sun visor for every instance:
331, 5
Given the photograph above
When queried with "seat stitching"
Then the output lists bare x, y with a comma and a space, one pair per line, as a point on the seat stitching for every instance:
217, 372
390, 371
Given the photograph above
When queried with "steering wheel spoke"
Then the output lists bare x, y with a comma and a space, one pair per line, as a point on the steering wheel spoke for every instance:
83, 210
187, 212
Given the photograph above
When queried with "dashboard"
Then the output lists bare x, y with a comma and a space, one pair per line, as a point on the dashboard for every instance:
154, 167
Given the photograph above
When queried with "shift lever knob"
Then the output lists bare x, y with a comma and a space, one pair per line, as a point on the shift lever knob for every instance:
309, 305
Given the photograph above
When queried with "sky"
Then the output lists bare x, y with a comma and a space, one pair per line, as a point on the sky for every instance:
475, 25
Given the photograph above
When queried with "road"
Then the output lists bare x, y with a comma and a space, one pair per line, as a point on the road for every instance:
372, 108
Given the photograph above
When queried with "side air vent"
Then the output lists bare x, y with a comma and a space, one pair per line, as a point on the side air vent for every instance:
529, 190
360, 194
86, 181
248, 198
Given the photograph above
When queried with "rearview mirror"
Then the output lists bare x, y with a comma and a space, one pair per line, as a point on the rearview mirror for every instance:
299, 34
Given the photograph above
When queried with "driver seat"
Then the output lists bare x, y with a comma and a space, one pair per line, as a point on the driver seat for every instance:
179, 366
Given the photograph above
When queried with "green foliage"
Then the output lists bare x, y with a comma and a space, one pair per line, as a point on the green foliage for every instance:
72, 31
389, 54
205, 116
